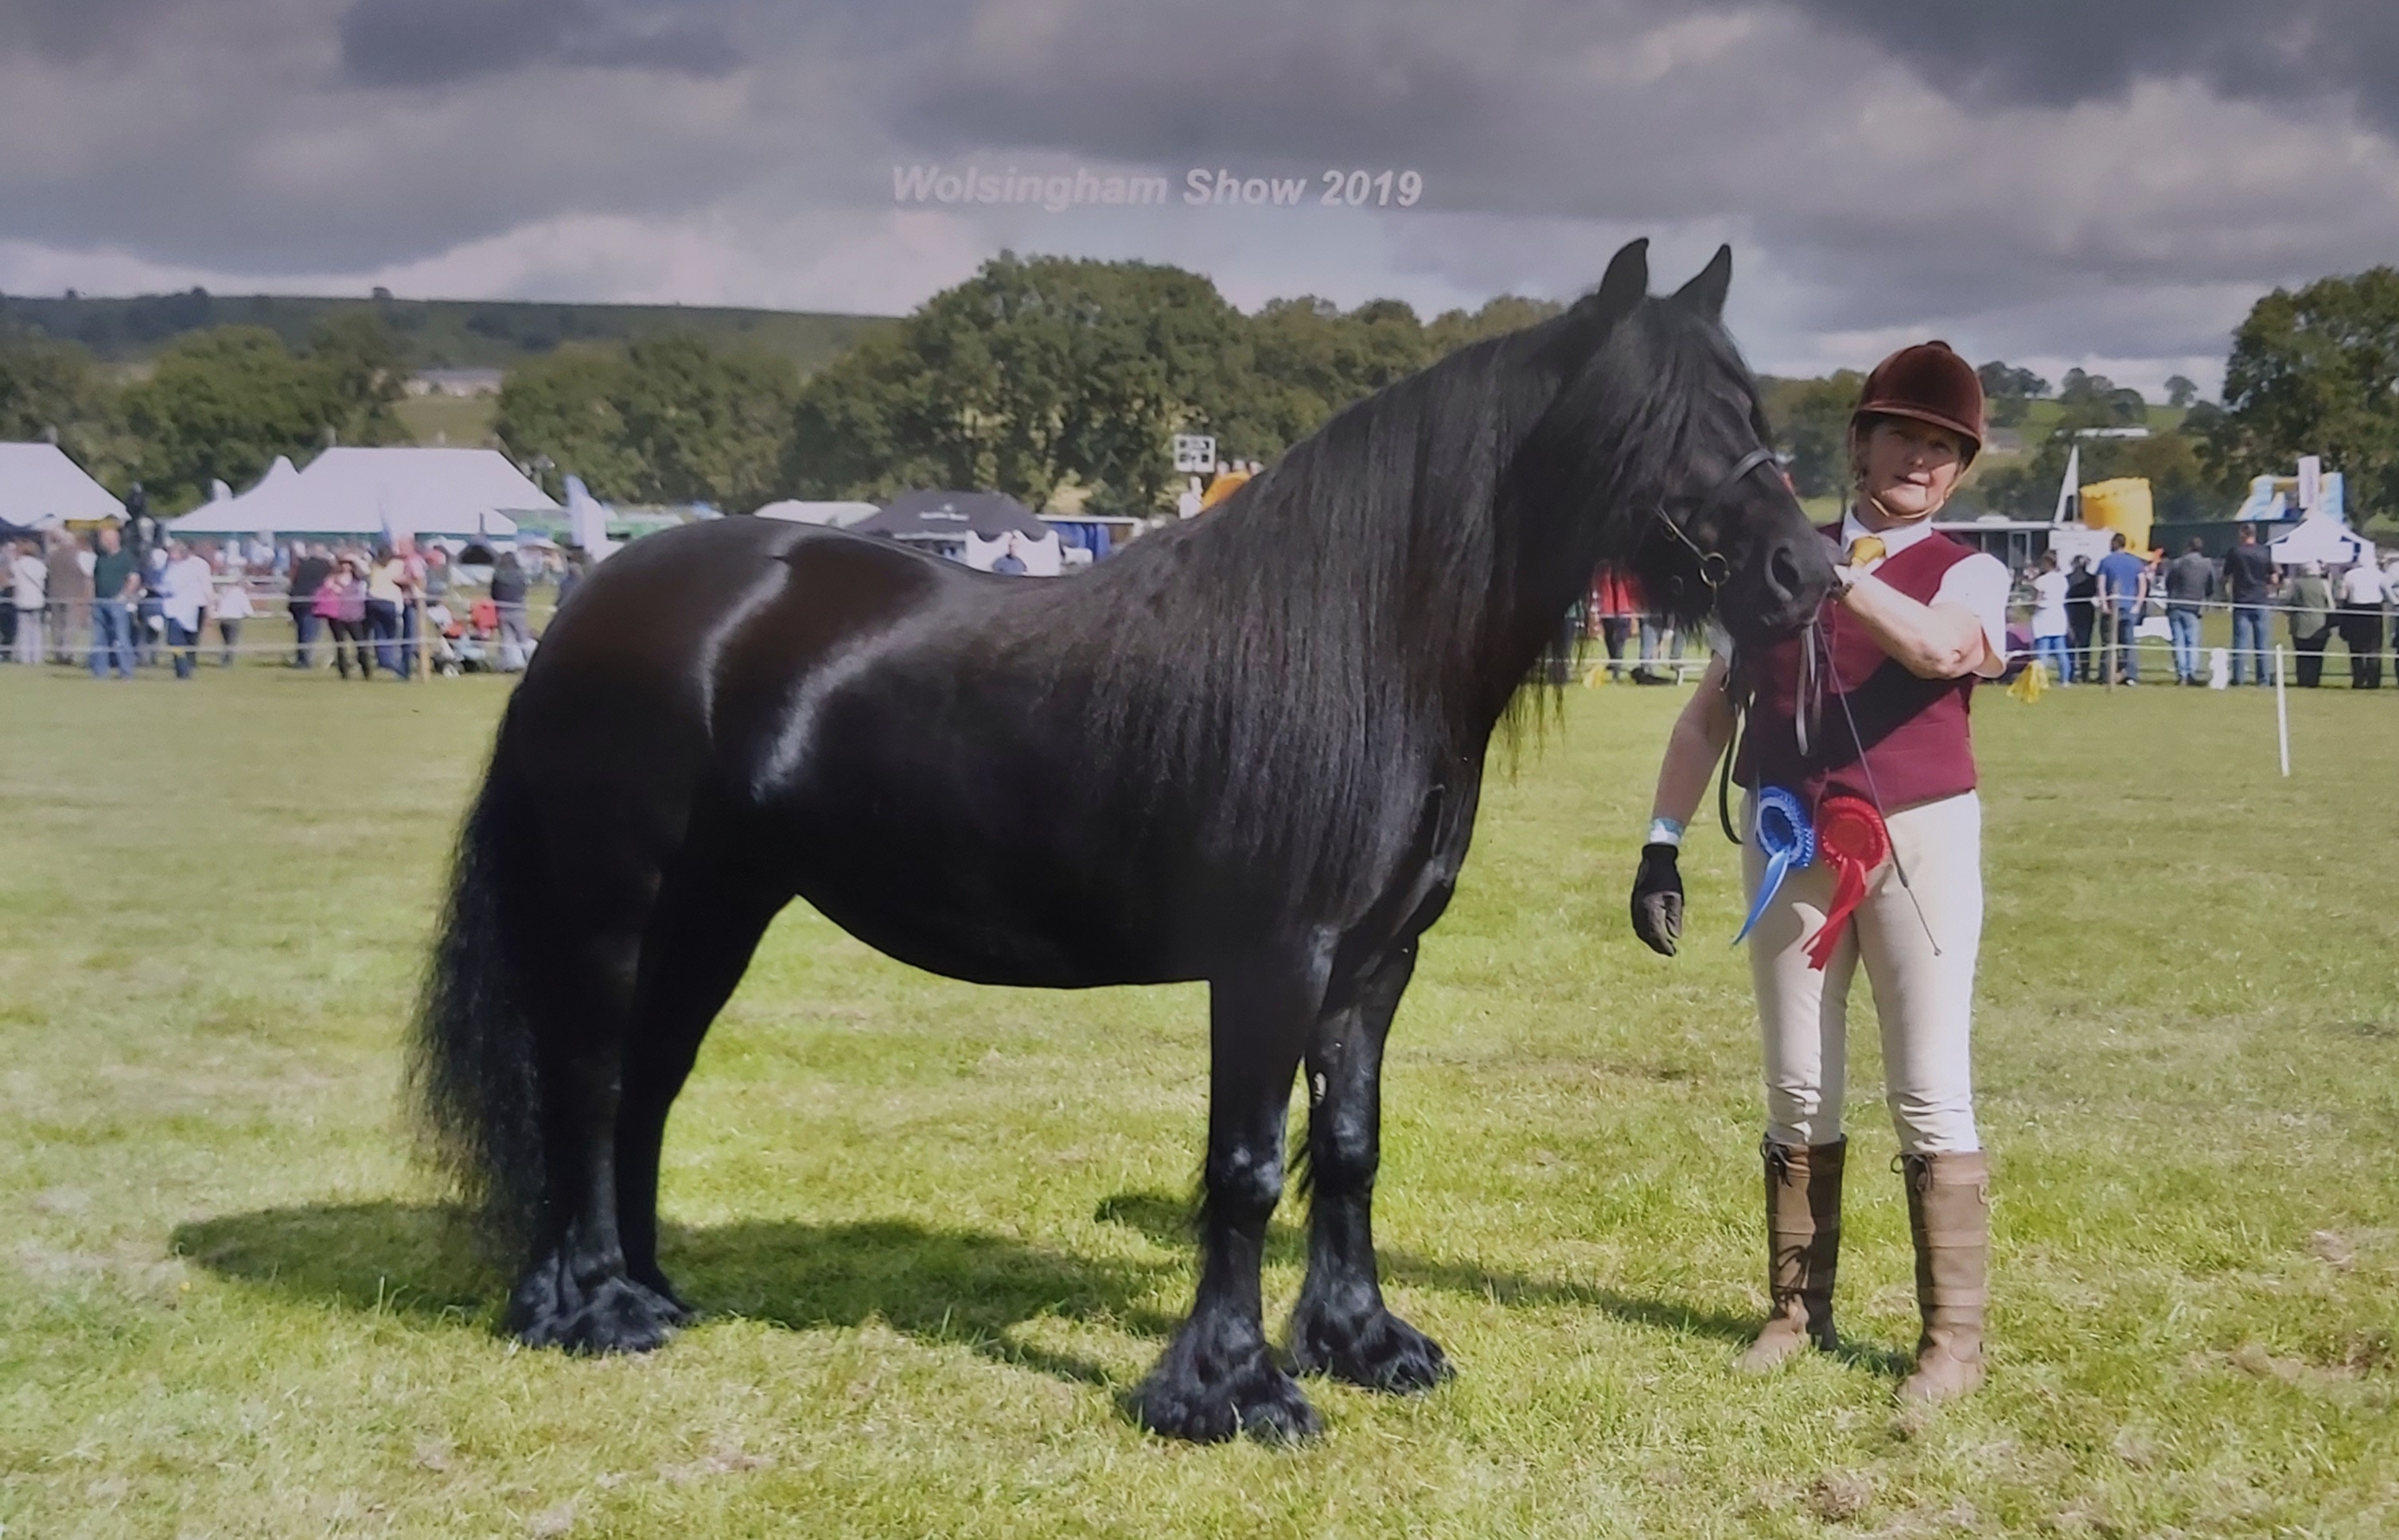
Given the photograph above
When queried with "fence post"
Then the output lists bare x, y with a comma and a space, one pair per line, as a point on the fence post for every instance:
2281, 714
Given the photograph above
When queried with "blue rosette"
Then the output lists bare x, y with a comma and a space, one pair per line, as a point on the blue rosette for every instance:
1788, 839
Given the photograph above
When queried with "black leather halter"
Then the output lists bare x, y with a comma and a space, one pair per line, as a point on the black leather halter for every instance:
1714, 568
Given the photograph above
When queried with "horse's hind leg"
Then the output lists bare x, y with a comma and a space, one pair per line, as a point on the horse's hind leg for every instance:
699, 945
1341, 1327
1218, 1377
577, 1294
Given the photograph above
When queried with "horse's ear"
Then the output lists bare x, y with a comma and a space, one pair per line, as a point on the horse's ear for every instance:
1627, 280
1587, 324
1706, 292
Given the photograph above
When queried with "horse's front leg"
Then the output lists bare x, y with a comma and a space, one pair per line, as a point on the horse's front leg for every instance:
1218, 1377
1342, 1327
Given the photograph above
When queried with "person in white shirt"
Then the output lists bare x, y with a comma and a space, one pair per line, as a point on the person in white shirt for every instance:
29, 583
233, 607
186, 587
2049, 620
2362, 598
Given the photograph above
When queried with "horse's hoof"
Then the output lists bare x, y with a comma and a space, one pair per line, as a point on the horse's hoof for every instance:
676, 1309
1375, 1349
611, 1314
1248, 1395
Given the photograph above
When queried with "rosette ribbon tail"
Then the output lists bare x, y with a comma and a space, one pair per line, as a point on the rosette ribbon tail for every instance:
1788, 844
1851, 839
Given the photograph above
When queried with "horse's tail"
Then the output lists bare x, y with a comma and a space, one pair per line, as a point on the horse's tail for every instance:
472, 1071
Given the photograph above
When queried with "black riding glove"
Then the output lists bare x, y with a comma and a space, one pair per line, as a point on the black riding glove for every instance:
1657, 899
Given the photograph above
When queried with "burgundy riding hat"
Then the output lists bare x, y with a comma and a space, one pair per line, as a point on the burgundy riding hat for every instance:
1931, 384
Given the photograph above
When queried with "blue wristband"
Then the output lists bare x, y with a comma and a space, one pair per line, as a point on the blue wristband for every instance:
1665, 831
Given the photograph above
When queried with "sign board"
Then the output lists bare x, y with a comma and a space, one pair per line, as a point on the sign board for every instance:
1195, 451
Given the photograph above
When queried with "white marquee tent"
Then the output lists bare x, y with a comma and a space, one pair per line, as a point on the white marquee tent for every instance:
377, 492
253, 511
839, 515
41, 487
2319, 537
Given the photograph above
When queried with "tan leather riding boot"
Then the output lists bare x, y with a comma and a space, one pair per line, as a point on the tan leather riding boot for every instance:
1803, 1237
1949, 1215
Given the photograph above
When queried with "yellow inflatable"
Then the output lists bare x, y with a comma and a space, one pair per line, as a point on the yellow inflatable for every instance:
2123, 504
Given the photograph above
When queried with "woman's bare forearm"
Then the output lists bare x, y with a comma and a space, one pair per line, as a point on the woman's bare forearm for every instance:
1698, 742
1930, 641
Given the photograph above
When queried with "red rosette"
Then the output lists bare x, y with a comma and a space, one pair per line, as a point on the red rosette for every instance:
1852, 840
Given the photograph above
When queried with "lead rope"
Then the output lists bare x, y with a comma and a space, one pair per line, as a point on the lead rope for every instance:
1724, 765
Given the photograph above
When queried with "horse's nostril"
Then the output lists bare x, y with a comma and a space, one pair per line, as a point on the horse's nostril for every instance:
1782, 572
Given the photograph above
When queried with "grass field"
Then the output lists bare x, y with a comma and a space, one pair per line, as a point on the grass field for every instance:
459, 422
937, 1228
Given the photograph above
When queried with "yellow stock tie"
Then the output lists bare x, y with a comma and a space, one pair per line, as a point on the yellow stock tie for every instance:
1864, 551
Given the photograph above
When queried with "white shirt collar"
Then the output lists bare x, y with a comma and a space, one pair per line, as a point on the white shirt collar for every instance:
1894, 540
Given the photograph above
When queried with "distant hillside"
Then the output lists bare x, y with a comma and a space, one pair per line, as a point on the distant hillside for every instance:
439, 333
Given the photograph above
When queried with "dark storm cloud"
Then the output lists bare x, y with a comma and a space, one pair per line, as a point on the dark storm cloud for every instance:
1542, 106
418, 43
70, 31
2060, 52
1876, 161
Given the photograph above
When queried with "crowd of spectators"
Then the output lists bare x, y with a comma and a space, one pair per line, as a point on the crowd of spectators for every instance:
114, 607
2087, 618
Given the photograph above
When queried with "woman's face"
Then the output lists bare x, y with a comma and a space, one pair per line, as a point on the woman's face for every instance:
1909, 468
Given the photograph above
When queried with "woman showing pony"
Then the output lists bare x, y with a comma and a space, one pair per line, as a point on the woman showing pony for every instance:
1272, 722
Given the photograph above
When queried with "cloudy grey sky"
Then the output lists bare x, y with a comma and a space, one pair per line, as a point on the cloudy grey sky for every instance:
2052, 181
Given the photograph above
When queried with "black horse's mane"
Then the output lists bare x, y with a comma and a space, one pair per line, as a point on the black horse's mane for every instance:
1383, 590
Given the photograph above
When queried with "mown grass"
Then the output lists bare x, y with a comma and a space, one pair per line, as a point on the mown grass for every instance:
457, 422
937, 1228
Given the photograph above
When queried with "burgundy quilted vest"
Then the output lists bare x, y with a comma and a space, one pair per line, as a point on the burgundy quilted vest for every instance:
1911, 742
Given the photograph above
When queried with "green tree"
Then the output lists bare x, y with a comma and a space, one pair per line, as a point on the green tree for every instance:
1309, 359
221, 406
1043, 373
2181, 390
1454, 328
563, 408
1812, 424
2094, 400
2007, 389
877, 420
222, 403
361, 370
667, 420
708, 426
2179, 483
2002, 381
2316, 372
1034, 373
48, 386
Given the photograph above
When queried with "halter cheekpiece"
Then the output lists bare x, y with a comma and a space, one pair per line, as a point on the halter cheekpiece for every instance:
1714, 568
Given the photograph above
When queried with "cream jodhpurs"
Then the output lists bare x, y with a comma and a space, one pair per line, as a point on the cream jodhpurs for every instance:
1924, 1000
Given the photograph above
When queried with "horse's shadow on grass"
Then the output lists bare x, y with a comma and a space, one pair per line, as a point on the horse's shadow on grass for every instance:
422, 1261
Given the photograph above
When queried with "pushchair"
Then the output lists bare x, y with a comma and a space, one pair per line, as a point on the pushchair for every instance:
449, 650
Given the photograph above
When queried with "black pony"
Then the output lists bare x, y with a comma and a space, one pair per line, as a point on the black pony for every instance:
1246, 751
